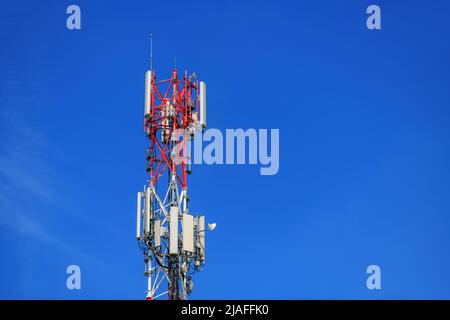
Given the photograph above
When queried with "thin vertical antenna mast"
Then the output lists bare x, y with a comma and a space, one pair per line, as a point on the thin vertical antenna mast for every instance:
151, 52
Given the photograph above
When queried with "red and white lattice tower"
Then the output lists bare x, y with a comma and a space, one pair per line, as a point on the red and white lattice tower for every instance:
171, 237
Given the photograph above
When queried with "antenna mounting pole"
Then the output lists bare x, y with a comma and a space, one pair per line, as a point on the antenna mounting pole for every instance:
151, 52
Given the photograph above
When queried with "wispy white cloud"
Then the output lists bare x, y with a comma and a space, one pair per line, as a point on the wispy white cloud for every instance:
28, 182
28, 192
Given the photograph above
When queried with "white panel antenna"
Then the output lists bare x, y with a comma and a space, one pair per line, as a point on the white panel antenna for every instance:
188, 233
157, 234
148, 88
138, 215
147, 212
173, 230
203, 104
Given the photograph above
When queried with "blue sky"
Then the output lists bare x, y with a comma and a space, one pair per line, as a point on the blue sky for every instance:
364, 146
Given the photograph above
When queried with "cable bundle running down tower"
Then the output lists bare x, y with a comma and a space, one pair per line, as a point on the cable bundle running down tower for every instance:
172, 239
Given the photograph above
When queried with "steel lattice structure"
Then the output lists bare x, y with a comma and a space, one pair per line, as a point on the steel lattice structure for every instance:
172, 239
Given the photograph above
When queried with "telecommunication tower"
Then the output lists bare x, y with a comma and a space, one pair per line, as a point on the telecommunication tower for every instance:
170, 236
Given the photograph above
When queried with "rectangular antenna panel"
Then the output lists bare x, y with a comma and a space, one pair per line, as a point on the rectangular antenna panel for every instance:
138, 215
157, 234
173, 230
148, 88
188, 232
147, 211
203, 104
